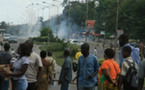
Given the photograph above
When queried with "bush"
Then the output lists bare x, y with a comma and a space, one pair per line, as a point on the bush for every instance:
55, 46
74, 49
41, 39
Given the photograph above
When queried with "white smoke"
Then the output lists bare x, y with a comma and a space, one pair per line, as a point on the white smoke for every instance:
31, 30
65, 28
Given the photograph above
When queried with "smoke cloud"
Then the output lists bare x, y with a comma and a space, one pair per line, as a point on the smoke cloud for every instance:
63, 27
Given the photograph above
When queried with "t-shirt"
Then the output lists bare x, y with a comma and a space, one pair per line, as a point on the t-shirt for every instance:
78, 54
141, 72
110, 64
125, 66
34, 63
5, 57
17, 66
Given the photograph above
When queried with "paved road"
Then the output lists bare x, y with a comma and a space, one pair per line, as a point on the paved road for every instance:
15, 46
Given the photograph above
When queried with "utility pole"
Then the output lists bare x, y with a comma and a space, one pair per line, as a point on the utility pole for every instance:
57, 23
87, 10
86, 26
115, 47
68, 19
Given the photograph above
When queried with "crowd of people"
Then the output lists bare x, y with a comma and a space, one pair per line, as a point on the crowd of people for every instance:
31, 71
25, 69
128, 74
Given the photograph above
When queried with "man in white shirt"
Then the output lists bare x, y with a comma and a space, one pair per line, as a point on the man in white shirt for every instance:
33, 76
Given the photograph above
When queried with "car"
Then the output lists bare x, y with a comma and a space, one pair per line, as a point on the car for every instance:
6, 37
13, 39
75, 41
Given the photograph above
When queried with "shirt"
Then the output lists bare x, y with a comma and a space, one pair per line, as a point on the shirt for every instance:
86, 67
34, 63
141, 72
112, 66
125, 66
66, 65
17, 66
5, 57
134, 55
52, 62
95, 52
78, 54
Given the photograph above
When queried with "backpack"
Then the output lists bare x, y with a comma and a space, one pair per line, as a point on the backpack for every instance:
49, 72
75, 66
130, 81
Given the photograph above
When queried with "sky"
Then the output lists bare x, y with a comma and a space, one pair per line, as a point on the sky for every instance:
27, 11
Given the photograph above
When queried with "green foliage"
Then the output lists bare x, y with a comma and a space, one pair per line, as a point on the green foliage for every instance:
74, 48
3, 25
132, 18
46, 35
41, 39
107, 35
46, 32
131, 15
56, 46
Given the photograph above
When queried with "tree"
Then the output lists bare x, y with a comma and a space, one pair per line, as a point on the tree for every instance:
3, 25
132, 18
131, 15
47, 33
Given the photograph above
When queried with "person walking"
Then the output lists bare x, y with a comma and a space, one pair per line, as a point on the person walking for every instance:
34, 71
51, 66
5, 58
43, 82
95, 51
109, 71
126, 64
124, 41
88, 67
66, 71
19, 81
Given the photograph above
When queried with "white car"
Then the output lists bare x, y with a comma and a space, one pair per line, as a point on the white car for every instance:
13, 39
6, 37
75, 41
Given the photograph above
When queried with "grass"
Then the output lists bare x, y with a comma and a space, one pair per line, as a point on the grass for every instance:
58, 55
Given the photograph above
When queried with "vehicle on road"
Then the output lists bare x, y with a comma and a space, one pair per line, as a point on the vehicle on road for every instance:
75, 41
1, 38
2, 35
13, 39
6, 37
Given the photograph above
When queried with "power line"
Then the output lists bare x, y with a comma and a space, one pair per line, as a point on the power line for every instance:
130, 17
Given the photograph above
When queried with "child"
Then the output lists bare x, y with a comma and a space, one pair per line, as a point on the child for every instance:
126, 52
